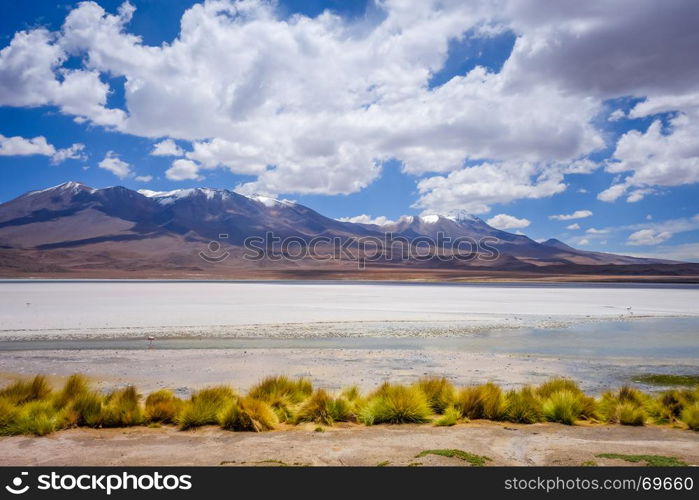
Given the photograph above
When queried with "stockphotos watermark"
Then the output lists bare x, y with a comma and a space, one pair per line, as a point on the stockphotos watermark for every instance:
102, 483
390, 248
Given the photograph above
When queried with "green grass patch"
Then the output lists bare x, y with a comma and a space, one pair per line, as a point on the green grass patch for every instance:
385, 463
665, 379
650, 460
473, 459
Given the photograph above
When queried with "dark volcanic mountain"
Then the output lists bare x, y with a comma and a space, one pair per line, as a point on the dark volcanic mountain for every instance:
75, 229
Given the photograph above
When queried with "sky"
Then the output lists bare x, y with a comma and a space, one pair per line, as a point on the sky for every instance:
572, 120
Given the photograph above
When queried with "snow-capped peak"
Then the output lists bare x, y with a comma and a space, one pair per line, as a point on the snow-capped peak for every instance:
70, 186
269, 202
168, 197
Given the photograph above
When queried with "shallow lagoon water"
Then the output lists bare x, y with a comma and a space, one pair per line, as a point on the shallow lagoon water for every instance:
343, 333
674, 338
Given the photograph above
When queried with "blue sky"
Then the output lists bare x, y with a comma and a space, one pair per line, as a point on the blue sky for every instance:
376, 110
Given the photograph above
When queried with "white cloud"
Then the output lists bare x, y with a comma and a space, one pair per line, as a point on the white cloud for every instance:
182, 169
474, 189
316, 105
168, 147
113, 164
648, 237
655, 158
578, 214
593, 230
505, 221
573, 227
31, 74
583, 242
367, 219
74, 152
143, 178
20, 146
616, 115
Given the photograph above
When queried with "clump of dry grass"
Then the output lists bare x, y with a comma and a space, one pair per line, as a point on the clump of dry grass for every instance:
162, 406
37, 418
323, 408
563, 406
395, 404
248, 415
485, 401
283, 394
204, 406
75, 386
86, 409
21, 392
669, 405
439, 391
627, 406
557, 384
450, 417
690, 416
523, 406
121, 408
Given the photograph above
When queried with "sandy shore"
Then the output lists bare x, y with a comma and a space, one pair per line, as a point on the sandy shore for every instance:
510, 444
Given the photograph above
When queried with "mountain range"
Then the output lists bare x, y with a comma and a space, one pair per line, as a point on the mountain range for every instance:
73, 230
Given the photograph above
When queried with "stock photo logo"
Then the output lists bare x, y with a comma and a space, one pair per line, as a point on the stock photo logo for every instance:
213, 253
102, 483
16, 487
369, 249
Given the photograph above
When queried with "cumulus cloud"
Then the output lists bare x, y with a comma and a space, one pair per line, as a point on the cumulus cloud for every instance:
573, 227
578, 214
593, 230
168, 147
143, 178
31, 74
317, 105
505, 221
474, 189
648, 237
21, 146
115, 165
367, 219
182, 169
656, 158
74, 152
616, 115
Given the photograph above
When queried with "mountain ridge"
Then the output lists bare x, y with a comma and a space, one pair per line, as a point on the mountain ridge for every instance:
72, 226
